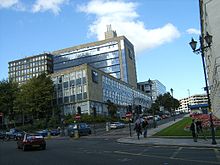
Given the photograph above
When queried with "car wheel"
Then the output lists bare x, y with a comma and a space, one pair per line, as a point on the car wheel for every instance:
43, 147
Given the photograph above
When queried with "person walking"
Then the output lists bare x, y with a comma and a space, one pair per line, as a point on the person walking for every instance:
200, 129
145, 127
193, 128
137, 128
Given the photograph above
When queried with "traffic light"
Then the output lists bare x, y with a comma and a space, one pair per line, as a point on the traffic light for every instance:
129, 108
79, 110
139, 109
94, 111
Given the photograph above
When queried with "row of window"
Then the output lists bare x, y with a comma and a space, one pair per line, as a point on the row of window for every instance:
120, 93
28, 66
29, 60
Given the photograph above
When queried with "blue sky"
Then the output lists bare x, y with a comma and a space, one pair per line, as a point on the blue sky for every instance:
159, 29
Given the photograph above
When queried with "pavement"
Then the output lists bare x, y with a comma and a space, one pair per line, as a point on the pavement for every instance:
168, 141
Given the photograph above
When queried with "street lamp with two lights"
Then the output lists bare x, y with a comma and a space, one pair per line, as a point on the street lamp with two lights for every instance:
201, 50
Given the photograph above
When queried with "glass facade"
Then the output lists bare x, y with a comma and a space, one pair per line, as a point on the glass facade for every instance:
104, 57
122, 94
24, 69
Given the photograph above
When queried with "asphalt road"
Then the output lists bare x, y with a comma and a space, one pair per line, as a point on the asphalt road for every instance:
104, 150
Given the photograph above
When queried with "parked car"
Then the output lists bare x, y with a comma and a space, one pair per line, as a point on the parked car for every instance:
2, 135
43, 133
83, 129
115, 125
14, 133
29, 141
54, 132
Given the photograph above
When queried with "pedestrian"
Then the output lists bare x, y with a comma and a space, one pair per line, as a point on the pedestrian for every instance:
200, 129
193, 128
145, 127
137, 127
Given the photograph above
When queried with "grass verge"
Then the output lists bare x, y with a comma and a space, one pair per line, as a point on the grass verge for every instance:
177, 129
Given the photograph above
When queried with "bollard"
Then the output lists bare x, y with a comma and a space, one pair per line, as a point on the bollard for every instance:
76, 134
107, 126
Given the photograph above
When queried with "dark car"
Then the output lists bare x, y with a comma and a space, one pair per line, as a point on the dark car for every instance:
54, 132
83, 129
29, 141
43, 133
2, 135
14, 133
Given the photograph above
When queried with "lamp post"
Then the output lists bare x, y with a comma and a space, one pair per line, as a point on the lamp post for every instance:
171, 90
151, 98
201, 50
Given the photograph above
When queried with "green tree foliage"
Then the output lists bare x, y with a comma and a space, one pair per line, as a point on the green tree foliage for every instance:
112, 108
165, 100
8, 92
35, 97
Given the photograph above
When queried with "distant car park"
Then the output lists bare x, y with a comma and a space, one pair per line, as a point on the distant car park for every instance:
116, 125
30, 141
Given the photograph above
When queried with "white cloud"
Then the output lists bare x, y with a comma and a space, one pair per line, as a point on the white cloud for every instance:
44, 5
193, 31
124, 19
15, 4
8, 3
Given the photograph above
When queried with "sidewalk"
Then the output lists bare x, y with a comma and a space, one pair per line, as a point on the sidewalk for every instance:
184, 142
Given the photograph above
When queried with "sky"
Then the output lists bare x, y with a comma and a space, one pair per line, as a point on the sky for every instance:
160, 31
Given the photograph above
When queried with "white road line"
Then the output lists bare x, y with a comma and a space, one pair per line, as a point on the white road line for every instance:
176, 152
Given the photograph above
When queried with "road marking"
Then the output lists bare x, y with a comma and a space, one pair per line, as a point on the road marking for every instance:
163, 157
176, 152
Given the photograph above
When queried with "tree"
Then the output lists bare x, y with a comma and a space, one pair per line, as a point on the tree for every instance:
8, 92
35, 97
112, 108
165, 100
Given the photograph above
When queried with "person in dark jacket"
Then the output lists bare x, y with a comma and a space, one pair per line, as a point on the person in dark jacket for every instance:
137, 127
194, 130
145, 126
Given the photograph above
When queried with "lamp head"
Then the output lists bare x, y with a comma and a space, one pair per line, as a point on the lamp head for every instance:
193, 44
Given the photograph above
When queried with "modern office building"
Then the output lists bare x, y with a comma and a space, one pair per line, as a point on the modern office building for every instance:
86, 87
210, 22
24, 69
156, 86
114, 55
186, 103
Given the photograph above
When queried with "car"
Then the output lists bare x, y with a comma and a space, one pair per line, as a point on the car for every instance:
13, 133
54, 132
83, 129
2, 135
43, 133
115, 125
29, 141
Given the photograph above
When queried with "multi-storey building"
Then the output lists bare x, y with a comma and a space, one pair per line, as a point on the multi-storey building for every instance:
210, 16
114, 55
86, 87
24, 69
185, 103
89, 75
156, 86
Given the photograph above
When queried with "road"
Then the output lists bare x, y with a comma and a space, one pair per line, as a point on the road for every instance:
104, 150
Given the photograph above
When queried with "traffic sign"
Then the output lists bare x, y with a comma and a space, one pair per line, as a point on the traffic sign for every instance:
77, 117
128, 114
